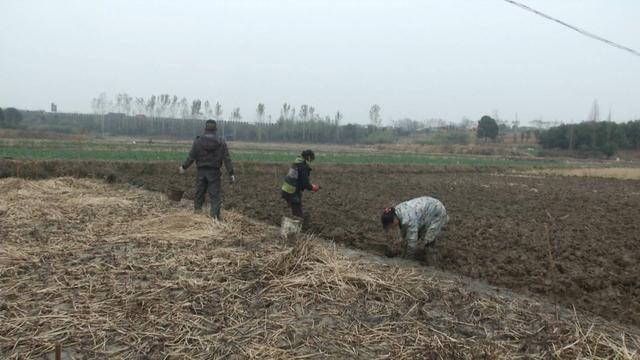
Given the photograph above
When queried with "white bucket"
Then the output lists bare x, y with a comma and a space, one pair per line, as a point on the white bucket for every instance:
290, 227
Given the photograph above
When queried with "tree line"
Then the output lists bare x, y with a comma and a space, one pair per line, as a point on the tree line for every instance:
10, 117
591, 136
173, 117
303, 124
170, 115
287, 128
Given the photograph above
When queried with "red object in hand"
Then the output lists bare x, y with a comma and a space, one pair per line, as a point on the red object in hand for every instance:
315, 187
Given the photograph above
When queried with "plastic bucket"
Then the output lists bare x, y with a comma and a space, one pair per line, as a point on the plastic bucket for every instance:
290, 227
174, 193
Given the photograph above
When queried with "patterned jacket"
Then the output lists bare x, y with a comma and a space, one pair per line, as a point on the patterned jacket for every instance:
416, 214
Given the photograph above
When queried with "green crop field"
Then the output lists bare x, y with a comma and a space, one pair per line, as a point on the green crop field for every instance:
177, 151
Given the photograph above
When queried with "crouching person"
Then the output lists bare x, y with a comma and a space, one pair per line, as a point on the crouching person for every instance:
420, 221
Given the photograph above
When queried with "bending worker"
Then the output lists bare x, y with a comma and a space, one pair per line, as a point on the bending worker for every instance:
296, 181
209, 151
420, 221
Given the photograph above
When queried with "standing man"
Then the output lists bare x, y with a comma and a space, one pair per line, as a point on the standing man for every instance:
209, 151
296, 181
420, 220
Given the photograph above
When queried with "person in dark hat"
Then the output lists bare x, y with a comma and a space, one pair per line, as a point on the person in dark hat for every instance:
209, 151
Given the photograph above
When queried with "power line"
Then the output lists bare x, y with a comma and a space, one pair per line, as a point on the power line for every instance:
575, 28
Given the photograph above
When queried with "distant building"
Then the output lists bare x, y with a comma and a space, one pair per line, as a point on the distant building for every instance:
54, 107
114, 116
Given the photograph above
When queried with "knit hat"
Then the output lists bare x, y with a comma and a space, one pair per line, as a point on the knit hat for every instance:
210, 125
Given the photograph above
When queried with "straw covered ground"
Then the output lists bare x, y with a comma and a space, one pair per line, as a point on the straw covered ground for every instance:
111, 271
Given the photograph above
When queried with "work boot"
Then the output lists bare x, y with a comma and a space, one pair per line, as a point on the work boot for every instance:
306, 221
415, 254
216, 214
431, 254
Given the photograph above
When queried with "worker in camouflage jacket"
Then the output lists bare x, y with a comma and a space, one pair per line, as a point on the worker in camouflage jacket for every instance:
209, 152
296, 181
420, 221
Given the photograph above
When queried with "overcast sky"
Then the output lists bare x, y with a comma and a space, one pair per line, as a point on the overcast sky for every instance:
419, 59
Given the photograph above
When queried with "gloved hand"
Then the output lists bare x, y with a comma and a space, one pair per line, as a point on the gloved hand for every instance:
315, 187
232, 179
181, 170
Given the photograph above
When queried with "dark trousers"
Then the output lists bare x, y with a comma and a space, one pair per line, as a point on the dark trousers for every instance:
296, 209
295, 203
208, 181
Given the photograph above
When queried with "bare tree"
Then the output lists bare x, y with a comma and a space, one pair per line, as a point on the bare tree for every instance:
104, 103
185, 111
304, 112
374, 115
235, 117
466, 123
284, 112
100, 105
151, 106
235, 114
118, 104
407, 125
218, 110
260, 113
173, 108
594, 117
163, 103
337, 119
140, 107
95, 105
195, 108
126, 103
208, 112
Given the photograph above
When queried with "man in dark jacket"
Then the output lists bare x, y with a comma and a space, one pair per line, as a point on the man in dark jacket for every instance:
209, 151
296, 181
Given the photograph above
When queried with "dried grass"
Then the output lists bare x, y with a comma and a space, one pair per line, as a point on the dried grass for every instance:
618, 173
117, 272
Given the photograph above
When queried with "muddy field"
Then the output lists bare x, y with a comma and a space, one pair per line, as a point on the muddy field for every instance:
572, 240
112, 271
576, 240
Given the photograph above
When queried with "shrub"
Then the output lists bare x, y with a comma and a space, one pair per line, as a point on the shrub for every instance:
609, 149
379, 137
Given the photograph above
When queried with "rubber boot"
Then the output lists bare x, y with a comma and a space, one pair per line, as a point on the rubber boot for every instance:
215, 213
430, 254
306, 221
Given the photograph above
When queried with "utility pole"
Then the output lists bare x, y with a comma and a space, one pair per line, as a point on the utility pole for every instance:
594, 116
571, 135
609, 126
